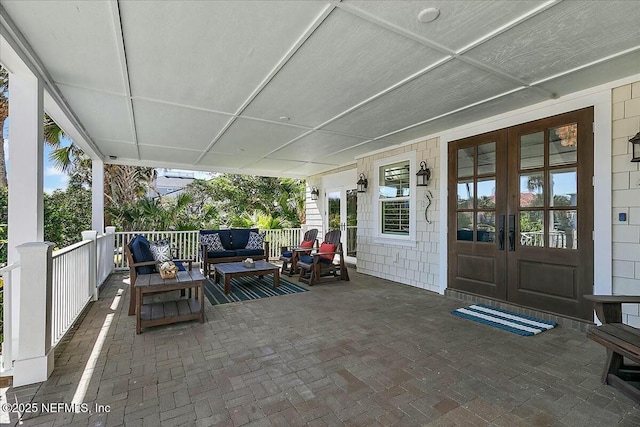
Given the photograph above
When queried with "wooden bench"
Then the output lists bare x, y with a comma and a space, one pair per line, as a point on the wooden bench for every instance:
163, 313
621, 341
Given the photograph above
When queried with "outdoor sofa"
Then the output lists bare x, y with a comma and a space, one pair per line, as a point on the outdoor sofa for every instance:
231, 245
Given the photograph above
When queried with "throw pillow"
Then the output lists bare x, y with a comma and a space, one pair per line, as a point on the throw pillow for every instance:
161, 250
255, 240
212, 241
327, 247
307, 244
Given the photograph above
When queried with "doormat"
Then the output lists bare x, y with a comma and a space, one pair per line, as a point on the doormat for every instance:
248, 288
512, 322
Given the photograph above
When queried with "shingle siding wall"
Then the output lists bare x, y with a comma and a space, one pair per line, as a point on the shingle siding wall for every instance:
626, 198
415, 266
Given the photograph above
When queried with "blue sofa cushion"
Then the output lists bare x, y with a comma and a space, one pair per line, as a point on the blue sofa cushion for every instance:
308, 259
141, 253
180, 266
249, 252
240, 237
225, 236
287, 254
221, 254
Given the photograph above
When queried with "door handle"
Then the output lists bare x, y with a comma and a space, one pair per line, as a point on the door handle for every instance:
501, 233
512, 232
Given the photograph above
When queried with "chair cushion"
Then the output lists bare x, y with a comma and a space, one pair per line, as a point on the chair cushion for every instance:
249, 252
225, 236
286, 254
161, 250
180, 266
308, 259
141, 253
327, 247
213, 242
240, 237
220, 254
255, 240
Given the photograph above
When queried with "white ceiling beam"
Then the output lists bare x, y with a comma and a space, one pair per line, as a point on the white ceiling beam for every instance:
124, 69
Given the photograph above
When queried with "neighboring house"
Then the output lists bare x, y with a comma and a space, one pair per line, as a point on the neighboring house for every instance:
170, 183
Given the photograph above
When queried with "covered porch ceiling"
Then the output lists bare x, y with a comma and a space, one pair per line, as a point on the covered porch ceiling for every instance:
294, 88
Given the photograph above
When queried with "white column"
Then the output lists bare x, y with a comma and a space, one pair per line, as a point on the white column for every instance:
93, 263
97, 195
34, 362
26, 212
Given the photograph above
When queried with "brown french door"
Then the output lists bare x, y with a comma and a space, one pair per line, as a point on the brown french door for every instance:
521, 214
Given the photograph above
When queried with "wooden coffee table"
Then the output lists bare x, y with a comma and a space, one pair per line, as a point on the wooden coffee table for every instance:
229, 270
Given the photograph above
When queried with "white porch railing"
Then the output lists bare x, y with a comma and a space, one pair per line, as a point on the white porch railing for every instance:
72, 286
105, 248
188, 242
8, 287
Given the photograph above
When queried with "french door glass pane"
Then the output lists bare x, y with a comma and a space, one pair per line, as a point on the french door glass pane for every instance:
465, 226
334, 210
563, 230
486, 193
532, 190
465, 195
563, 145
465, 161
532, 151
486, 228
487, 158
564, 187
532, 228
352, 222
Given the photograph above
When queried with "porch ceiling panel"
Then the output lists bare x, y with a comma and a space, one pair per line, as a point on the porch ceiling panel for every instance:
209, 54
178, 155
315, 145
90, 56
459, 24
597, 74
344, 62
104, 115
224, 162
491, 108
174, 126
255, 138
353, 152
121, 150
555, 40
203, 84
448, 87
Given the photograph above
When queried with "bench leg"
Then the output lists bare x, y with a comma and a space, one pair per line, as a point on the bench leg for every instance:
132, 298
138, 309
612, 366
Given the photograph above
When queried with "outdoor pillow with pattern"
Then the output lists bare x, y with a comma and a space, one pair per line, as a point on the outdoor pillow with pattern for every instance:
212, 241
255, 240
161, 250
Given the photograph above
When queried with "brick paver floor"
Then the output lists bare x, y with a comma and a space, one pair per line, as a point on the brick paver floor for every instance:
363, 353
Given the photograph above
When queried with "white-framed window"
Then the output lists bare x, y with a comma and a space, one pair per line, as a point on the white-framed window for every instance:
395, 198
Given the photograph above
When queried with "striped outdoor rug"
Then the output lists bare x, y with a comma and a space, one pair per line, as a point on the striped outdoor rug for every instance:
248, 288
516, 323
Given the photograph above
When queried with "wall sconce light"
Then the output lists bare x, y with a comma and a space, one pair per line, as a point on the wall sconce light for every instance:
635, 148
362, 184
423, 175
315, 193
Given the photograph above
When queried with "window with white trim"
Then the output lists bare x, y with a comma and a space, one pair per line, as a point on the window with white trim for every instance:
395, 197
